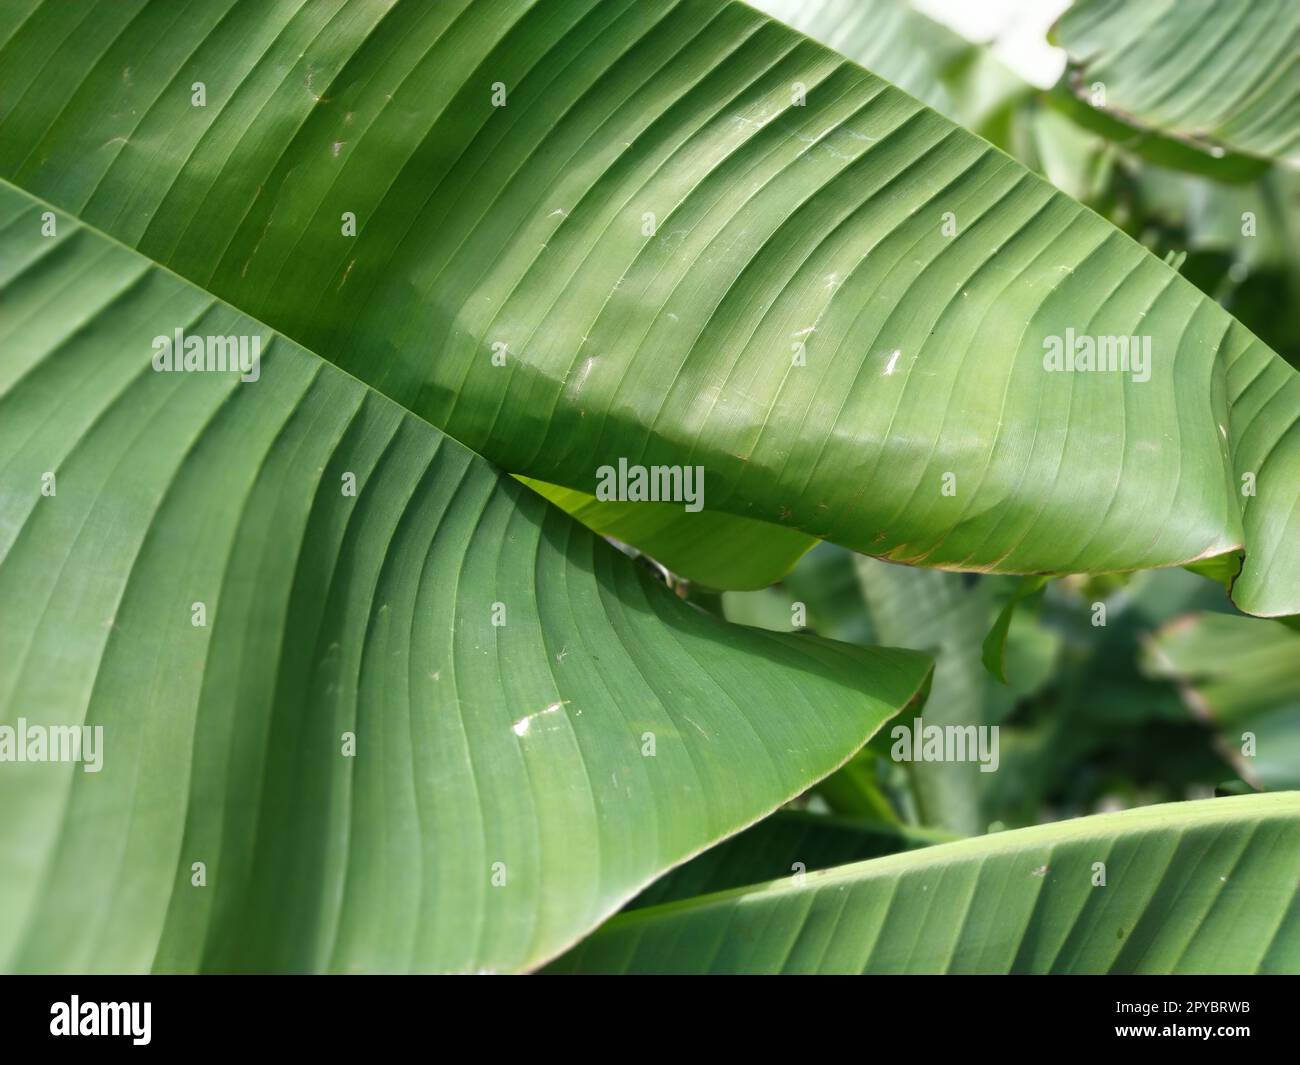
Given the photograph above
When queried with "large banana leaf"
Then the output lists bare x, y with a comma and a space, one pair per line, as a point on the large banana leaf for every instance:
802, 322
1222, 74
1207, 886
538, 728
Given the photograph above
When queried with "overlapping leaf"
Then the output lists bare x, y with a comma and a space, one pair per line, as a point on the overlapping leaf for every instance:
699, 238
537, 727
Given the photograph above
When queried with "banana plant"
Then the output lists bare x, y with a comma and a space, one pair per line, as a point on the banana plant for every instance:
299, 676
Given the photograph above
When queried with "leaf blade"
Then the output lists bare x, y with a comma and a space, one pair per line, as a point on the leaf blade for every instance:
1204, 886
326, 614
522, 225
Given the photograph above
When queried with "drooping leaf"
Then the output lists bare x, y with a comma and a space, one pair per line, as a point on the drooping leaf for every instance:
538, 728
995, 643
1220, 74
711, 241
1196, 887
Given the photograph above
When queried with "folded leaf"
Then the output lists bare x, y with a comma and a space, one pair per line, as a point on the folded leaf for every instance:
366, 702
994, 651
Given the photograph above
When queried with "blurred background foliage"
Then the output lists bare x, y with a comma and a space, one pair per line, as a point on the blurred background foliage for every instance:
1142, 703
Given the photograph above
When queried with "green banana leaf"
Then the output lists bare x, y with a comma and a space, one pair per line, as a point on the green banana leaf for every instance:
674, 233
1223, 75
938, 67
1211, 886
429, 723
